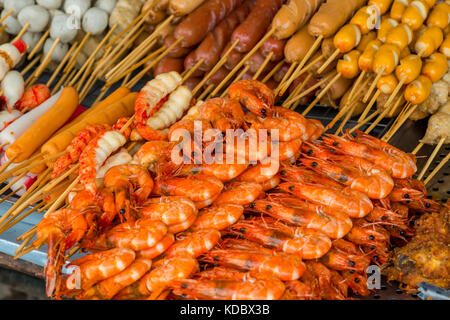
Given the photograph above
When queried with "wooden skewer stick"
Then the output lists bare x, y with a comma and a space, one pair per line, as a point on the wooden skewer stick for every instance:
135, 80
381, 116
62, 197
238, 77
359, 125
22, 245
348, 105
206, 92
92, 56
78, 49
48, 58
26, 214
391, 133
302, 63
191, 71
39, 44
5, 166
419, 146
30, 65
11, 194
218, 65
437, 169
285, 78
116, 77
241, 63
369, 106
10, 12
61, 64
14, 171
22, 32
297, 90
263, 66
395, 92
356, 85
373, 85
295, 105
321, 94
51, 185
26, 234
431, 158
4, 189
347, 117
273, 71
310, 89
38, 163
25, 251
328, 61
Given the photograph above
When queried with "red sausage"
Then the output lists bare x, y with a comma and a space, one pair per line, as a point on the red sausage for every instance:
192, 82
212, 46
217, 77
189, 62
178, 51
233, 58
169, 64
255, 26
273, 45
194, 28
256, 60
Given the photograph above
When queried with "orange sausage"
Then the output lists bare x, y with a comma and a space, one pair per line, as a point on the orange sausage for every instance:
365, 61
348, 65
439, 16
387, 84
409, 68
419, 90
429, 41
401, 36
435, 67
386, 59
347, 38
386, 25
382, 5
398, 8
298, 45
415, 14
365, 40
365, 18
44, 127
445, 46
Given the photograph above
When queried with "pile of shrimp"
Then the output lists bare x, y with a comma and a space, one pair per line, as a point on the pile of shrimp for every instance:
302, 220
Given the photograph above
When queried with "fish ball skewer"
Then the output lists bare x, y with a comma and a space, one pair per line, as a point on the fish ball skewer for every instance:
95, 21
37, 16
50, 4
60, 28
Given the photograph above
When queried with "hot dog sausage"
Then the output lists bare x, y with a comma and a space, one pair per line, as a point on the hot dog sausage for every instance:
167, 64
202, 20
255, 25
255, 62
273, 45
338, 89
387, 84
331, 16
233, 58
178, 51
217, 77
298, 45
347, 38
292, 16
183, 7
212, 46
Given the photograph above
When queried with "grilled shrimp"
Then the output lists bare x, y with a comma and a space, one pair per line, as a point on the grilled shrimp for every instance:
154, 94
222, 171
108, 288
219, 216
284, 266
170, 210
356, 204
308, 243
194, 243
240, 193
95, 154
163, 273
159, 248
76, 147
251, 287
254, 95
33, 97
222, 113
96, 267
398, 164
131, 183
345, 255
303, 214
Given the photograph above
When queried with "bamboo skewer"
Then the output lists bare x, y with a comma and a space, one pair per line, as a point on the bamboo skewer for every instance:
391, 133
11, 194
431, 158
218, 65
191, 71
62, 197
23, 216
328, 61
373, 86
241, 63
302, 63
10, 12
309, 90
417, 149
39, 44
359, 125
296, 91
285, 78
5, 166
381, 116
21, 32
263, 66
437, 169
4, 189
61, 64
238, 77
321, 94
273, 71
48, 58
206, 92
369, 106
30, 65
